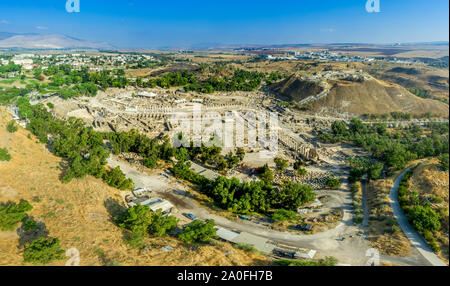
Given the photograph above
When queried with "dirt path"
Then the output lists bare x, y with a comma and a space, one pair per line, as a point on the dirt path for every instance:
414, 237
365, 206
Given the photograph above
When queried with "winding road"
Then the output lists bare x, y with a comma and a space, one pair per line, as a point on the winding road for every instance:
414, 237
351, 250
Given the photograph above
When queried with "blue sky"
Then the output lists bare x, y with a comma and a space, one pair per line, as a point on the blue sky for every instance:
175, 23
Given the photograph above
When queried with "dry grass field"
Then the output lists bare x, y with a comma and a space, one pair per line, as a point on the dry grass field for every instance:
381, 221
79, 214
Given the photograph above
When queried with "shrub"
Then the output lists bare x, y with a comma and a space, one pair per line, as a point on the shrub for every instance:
424, 218
11, 127
135, 240
302, 172
265, 174
298, 164
43, 251
115, 178
198, 231
291, 195
327, 261
395, 229
283, 215
355, 188
358, 219
247, 247
333, 183
136, 219
30, 225
443, 159
12, 214
281, 163
4, 155
161, 225
150, 162
431, 241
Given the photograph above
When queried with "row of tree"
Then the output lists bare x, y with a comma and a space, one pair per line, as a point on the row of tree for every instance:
82, 147
140, 221
420, 213
249, 197
393, 149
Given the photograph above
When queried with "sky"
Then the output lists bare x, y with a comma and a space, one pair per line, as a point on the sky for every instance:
145, 24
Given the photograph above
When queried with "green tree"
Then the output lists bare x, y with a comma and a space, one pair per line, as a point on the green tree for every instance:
11, 214
161, 225
443, 159
43, 251
338, 127
424, 218
4, 155
240, 153
265, 174
281, 163
30, 225
292, 195
136, 219
198, 231
150, 162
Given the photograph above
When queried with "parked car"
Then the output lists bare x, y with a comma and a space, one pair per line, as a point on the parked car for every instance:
190, 216
244, 217
284, 253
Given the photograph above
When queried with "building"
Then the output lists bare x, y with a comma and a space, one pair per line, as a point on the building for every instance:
22, 62
260, 243
155, 204
209, 174
140, 192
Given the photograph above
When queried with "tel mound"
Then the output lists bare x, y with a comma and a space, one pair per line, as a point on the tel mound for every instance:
356, 95
296, 88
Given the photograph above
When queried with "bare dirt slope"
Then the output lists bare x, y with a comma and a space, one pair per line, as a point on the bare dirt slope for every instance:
376, 97
433, 80
79, 214
296, 89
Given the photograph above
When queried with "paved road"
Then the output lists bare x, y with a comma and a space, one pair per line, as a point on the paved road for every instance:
351, 251
328, 243
414, 237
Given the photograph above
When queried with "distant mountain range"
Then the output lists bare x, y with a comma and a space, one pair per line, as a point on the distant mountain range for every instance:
50, 41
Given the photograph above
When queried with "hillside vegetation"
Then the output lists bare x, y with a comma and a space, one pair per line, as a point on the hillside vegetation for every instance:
79, 214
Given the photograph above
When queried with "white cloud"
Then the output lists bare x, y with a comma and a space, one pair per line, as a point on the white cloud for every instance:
41, 28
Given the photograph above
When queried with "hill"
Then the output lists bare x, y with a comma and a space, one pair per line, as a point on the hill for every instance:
52, 41
296, 89
356, 94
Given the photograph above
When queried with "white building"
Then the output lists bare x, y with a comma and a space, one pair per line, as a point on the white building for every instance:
22, 62
155, 204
